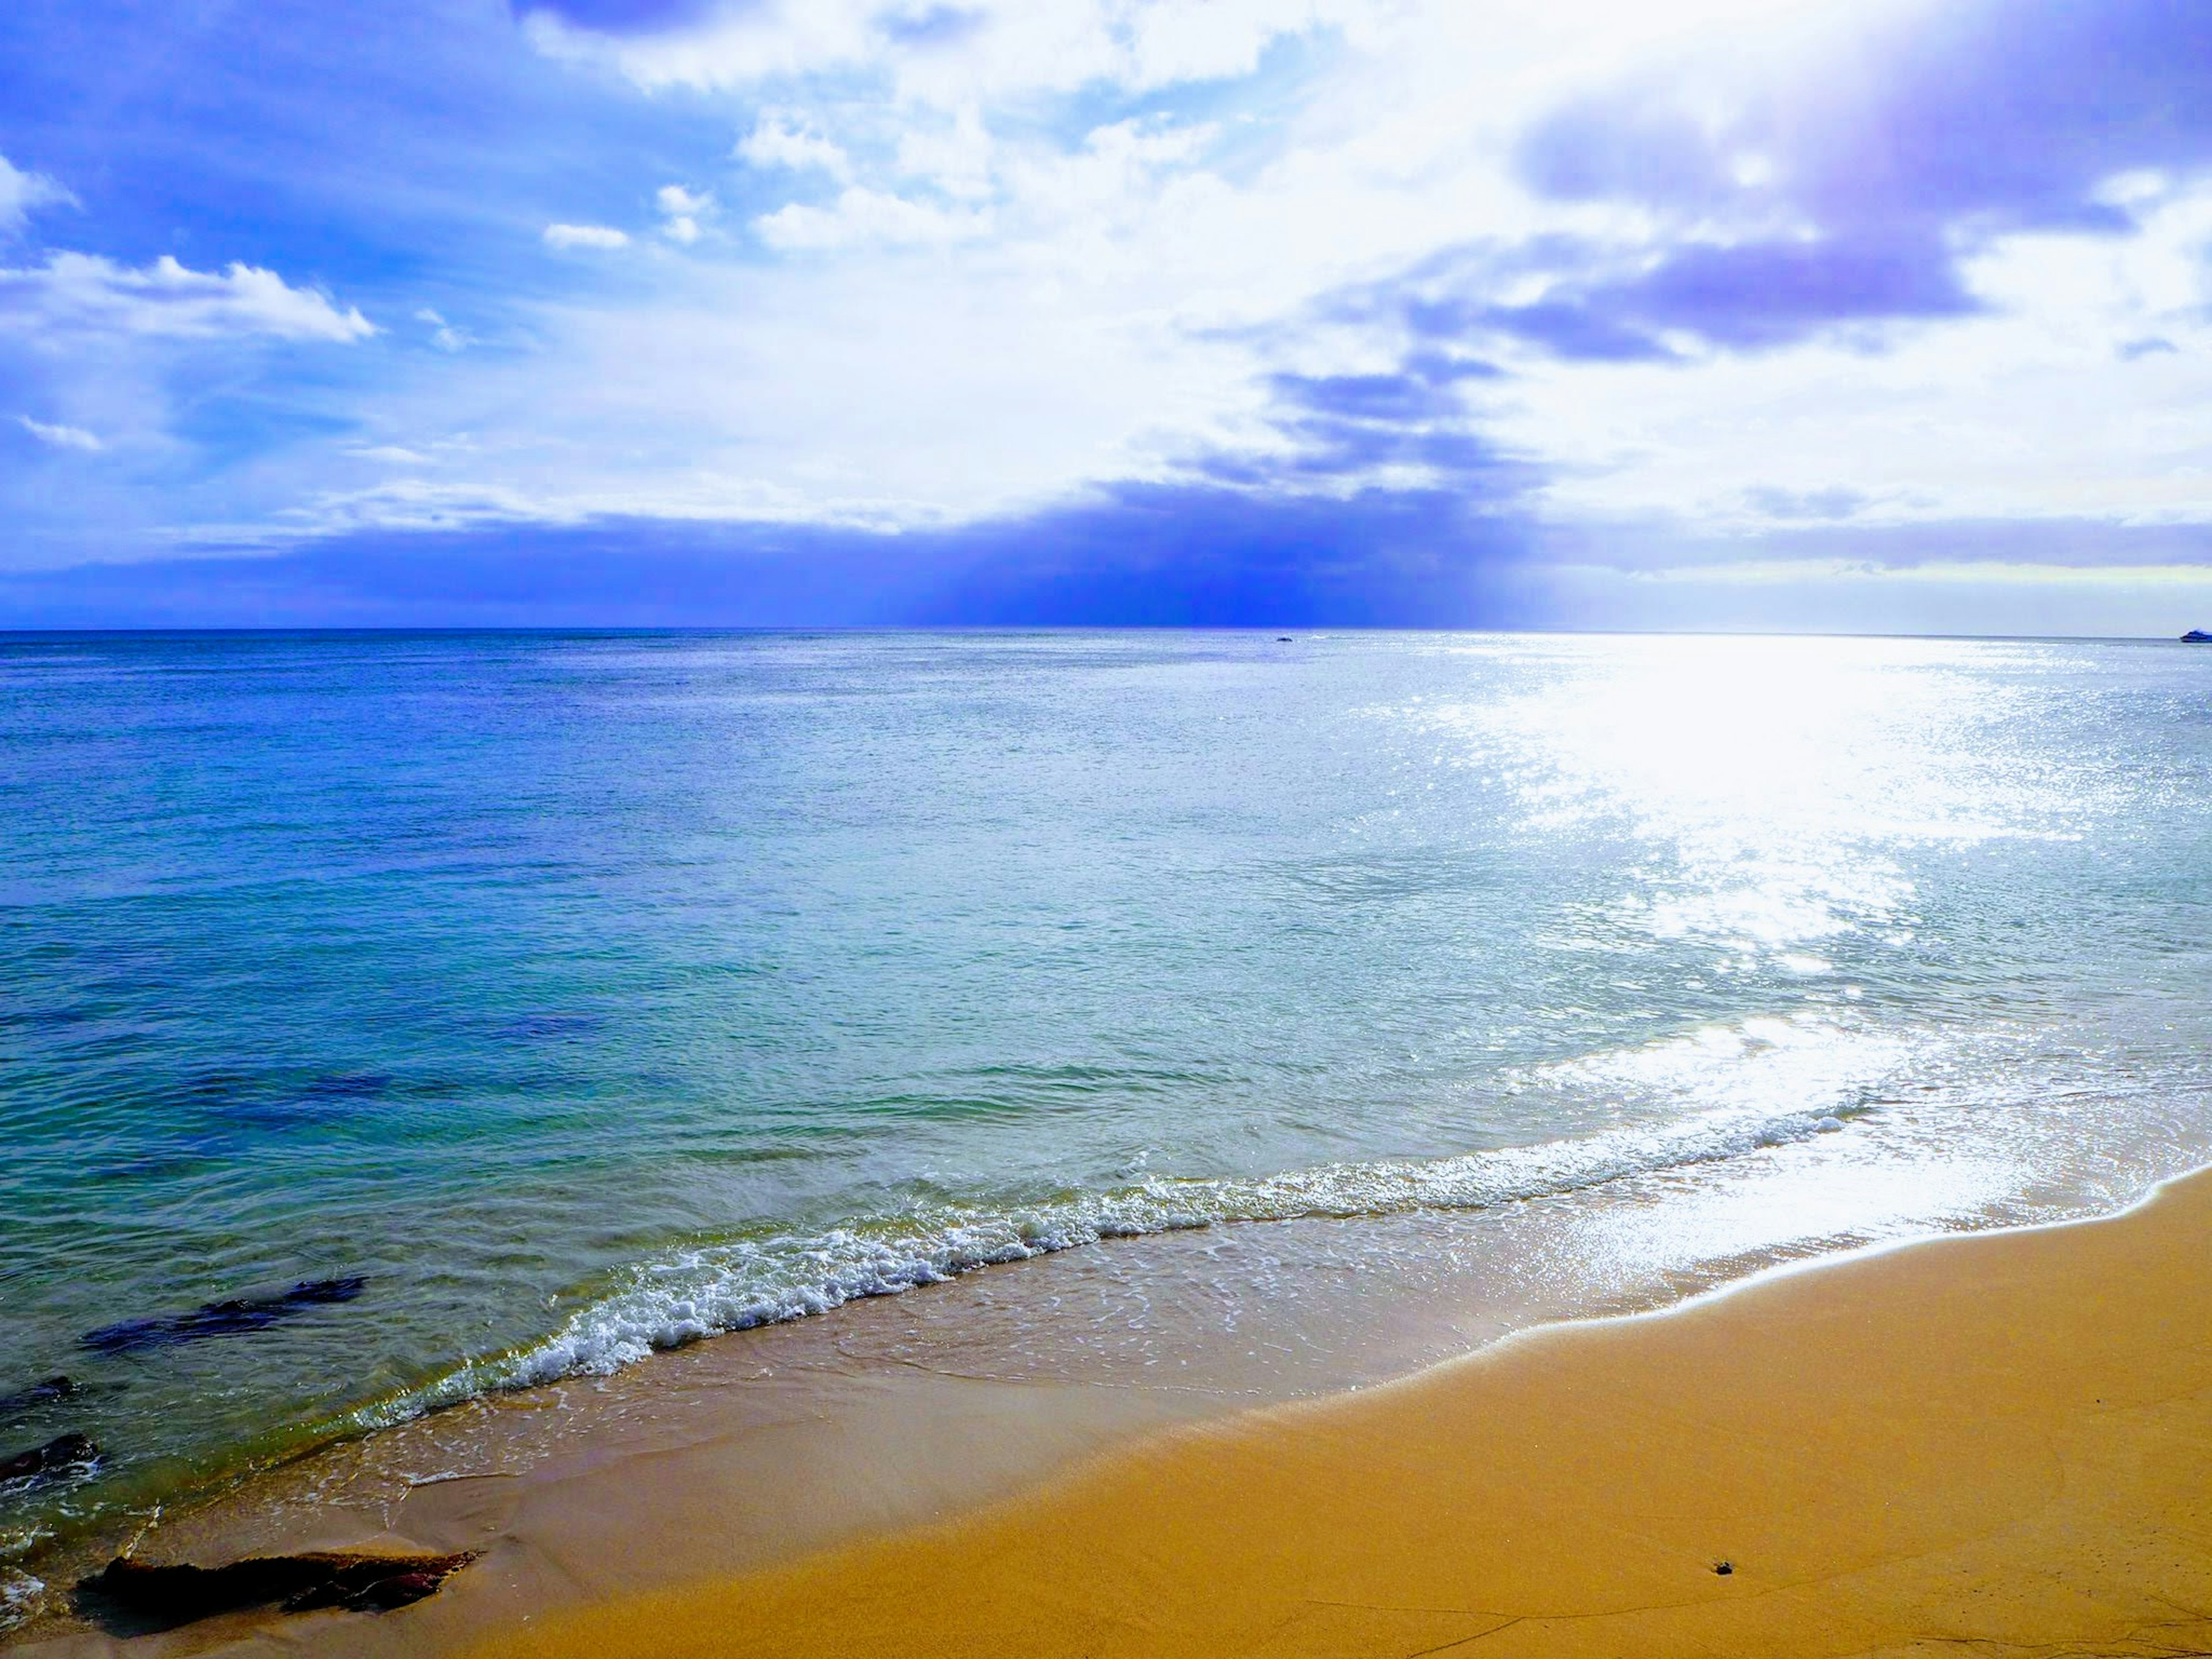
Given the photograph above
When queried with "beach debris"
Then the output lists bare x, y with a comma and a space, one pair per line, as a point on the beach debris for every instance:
39, 1394
63, 1456
145, 1595
228, 1318
1723, 1568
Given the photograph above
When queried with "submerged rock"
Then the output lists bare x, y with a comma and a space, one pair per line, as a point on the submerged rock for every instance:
39, 1394
142, 1595
63, 1454
240, 1314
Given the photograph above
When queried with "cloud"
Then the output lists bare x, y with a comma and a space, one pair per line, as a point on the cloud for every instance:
1713, 270
681, 210
84, 292
956, 156
862, 216
2015, 116
932, 26
780, 139
443, 334
1174, 556
932, 54
1804, 504
2150, 346
1161, 555
592, 236
62, 437
1785, 206
20, 192
1748, 297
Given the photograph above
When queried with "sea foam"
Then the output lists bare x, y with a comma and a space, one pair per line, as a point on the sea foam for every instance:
714, 1289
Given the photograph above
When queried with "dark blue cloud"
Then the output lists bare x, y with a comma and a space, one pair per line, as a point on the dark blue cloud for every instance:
1745, 296
1961, 123
2000, 111
1579, 326
1343, 427
1394, 397
1141, 555
1447, 368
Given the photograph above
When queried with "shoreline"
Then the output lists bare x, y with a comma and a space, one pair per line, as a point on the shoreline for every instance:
757, 1452
2002, 1438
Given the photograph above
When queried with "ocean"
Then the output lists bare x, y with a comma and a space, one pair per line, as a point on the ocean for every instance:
536, 1000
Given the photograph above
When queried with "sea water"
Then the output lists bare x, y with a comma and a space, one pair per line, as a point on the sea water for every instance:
584, 994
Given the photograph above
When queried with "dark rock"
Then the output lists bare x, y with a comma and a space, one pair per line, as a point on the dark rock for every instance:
64, 1455
230, 1318
39, 1394
310, 1291
139, 1596
377, 1595
1723, 1568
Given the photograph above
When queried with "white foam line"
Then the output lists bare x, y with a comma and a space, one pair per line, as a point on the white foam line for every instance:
713, 1289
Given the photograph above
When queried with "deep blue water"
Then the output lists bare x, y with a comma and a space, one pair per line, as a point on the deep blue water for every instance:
588, 993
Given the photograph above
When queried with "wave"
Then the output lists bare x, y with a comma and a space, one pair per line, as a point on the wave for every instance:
710, 1290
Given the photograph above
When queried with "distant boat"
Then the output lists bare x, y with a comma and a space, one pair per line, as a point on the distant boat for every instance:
2196, 636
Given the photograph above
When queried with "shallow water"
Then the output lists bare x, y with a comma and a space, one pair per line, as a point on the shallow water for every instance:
588, 994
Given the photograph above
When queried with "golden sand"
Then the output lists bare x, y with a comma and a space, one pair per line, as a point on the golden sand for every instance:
1982, 1445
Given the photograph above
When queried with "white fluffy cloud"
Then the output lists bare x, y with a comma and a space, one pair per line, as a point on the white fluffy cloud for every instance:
681, 210
962, 297
860, 216
781, 139
592, 236
991, 49
87, 293
20, 192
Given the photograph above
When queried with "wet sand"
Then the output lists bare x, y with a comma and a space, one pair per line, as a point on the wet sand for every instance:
1985, 1445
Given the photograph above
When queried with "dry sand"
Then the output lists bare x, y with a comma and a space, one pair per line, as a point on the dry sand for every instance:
1982, 1445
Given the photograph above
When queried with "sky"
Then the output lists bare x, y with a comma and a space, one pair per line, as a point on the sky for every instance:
1884, 315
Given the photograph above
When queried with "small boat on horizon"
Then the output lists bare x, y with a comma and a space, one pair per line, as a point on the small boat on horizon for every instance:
2196, 636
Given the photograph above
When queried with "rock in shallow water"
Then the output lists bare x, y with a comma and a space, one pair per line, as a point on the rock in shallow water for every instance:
239, 1314
64, 1455
137, 1596
39, 1394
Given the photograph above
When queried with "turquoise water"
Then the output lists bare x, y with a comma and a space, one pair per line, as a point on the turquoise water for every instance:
587, 993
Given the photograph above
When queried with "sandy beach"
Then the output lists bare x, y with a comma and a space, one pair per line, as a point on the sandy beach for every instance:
1989, 1444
